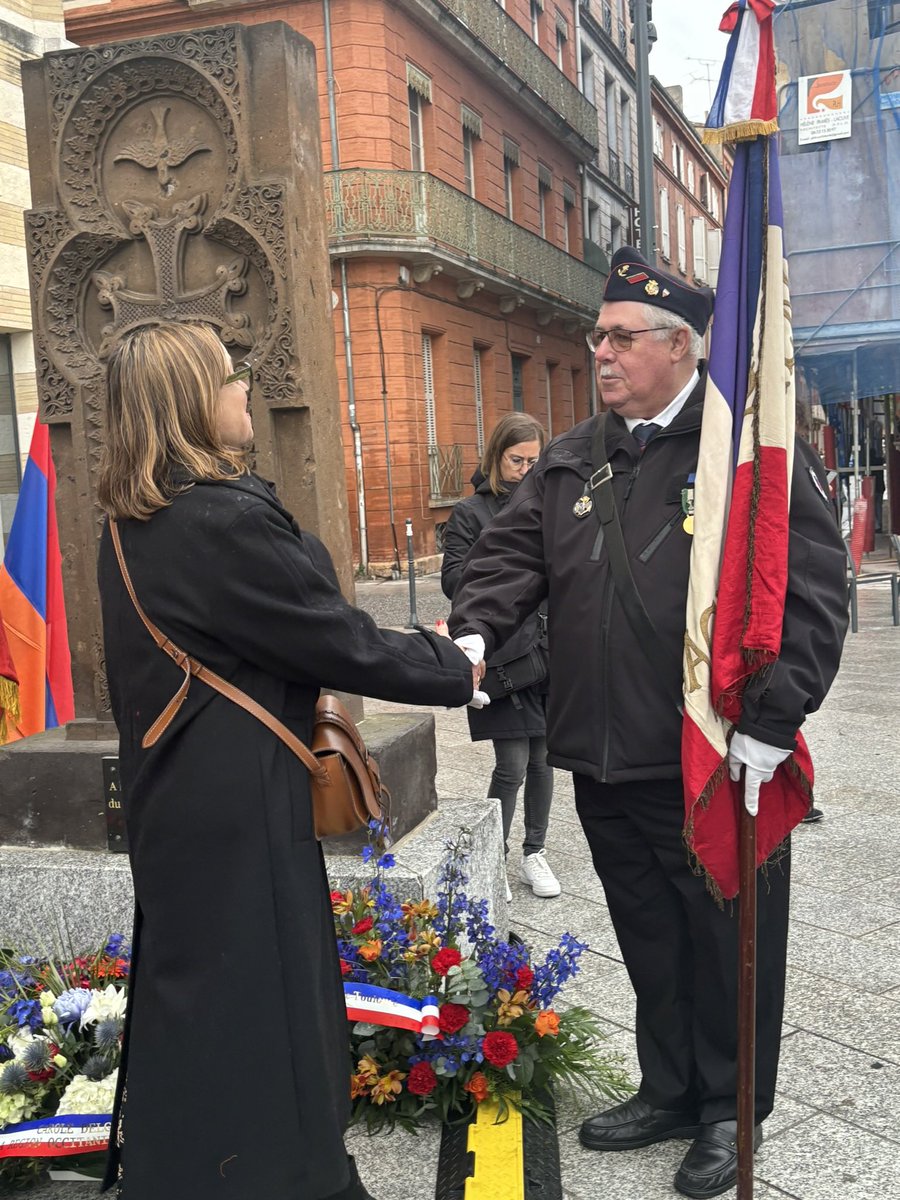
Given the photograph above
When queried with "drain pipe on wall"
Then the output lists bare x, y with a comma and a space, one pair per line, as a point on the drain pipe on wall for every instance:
345, 310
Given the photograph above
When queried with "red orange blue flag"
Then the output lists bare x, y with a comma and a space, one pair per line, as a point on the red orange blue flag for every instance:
739, 558
32, 607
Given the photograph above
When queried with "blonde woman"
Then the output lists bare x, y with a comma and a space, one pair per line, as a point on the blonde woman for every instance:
235, 1075
515, 722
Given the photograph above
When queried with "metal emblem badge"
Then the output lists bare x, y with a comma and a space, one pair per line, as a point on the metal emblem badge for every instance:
687, 501
652, 288
623, 270
582, 505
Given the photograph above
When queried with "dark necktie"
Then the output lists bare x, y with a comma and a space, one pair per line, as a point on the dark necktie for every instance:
644, 433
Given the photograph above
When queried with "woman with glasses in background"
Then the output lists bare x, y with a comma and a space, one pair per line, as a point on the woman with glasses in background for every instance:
235, 1075
514, 722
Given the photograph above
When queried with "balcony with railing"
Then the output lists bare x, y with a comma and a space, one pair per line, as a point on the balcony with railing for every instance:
395, 212
507, 42
445, 471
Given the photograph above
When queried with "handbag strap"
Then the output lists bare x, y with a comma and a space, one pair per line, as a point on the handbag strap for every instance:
604, 505
194, 669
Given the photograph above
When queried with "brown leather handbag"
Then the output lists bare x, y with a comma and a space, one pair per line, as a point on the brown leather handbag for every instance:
346, 786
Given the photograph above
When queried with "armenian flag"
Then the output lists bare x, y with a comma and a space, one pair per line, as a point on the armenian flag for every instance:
9, 688
32, 608
739, 557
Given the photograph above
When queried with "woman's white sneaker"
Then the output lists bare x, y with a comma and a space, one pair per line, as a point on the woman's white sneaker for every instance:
537, 874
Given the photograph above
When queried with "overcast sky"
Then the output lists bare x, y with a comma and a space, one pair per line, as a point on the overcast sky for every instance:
689, 50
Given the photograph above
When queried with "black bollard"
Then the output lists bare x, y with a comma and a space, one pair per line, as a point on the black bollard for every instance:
411, 566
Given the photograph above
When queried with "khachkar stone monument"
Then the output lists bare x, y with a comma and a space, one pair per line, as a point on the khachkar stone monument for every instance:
176, 177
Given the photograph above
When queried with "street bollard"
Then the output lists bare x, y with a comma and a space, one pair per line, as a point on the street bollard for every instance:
411, 564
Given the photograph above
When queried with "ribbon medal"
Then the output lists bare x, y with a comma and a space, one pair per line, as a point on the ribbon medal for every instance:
687, 506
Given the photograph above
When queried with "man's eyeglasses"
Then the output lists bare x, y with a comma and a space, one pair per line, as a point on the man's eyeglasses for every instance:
516, 461
619, 339
242, 373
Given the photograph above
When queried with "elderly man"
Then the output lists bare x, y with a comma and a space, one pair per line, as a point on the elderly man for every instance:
614, 720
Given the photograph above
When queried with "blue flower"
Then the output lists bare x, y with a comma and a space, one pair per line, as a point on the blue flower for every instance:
70, 1005
26, 1012
117, 947
386, 862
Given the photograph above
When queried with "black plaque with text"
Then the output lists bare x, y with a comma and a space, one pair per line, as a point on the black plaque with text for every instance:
116, 835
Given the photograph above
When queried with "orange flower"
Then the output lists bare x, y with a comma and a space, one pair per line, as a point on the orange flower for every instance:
388, 1087
546, 1022
368, 1068
478, 1087
359, 1086
370, 950
341, 902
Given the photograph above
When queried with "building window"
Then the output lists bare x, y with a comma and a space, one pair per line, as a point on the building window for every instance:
562, 35
665, 240
471, 136
545, 186
10, 462
510, 169
588, 74
626, 130
698, 237
884, 17
477, 374
593, 222
682, 237
615, 235
713, 254
678, 161
690, 177
659, 148
704, 191
416, 138
536, 10
569, 218
428, 387
518, 382
612, 130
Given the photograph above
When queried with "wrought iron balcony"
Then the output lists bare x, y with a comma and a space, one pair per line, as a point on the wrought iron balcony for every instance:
403, 211
628, 179
615, 168
607, 19
623, 39
445, 471
489, 24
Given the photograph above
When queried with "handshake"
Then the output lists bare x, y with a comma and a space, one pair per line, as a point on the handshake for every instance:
472, 645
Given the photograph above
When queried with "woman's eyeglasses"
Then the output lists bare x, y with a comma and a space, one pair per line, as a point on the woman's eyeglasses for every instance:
619, 339
242, 373
516, 461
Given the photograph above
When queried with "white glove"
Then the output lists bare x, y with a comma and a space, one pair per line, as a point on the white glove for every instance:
761, 762
472, 645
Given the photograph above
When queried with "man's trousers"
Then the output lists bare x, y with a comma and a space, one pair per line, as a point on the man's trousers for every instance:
681, 950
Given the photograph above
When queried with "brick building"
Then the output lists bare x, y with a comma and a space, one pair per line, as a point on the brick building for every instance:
454, 138
28, 29
691, 183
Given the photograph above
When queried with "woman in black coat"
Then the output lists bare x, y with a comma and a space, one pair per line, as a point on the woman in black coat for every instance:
516, 724
235, 1069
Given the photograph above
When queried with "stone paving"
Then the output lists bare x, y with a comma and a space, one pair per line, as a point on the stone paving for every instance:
834, 1134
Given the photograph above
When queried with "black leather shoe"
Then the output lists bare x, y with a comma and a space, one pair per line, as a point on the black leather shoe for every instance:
710, 1166
634, 1124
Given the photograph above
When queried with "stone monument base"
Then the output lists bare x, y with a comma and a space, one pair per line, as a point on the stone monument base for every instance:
53, 791
56, 897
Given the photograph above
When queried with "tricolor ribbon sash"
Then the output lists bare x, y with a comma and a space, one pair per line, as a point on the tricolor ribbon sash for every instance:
52, 1137
380, 1006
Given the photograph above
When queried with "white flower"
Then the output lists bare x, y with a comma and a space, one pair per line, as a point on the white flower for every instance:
85, 1095
111, 1002
14, 1109
18, 1041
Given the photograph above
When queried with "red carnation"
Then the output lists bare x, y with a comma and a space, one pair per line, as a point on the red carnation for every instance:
363, 926
453, 1017
422, 1079
524, 978
500, 1049
345, 967
337, 897
444, 960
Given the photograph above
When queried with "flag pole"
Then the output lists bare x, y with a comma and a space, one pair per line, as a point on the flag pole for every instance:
746, 1067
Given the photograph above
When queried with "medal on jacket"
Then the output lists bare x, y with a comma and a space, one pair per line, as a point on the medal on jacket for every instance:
582, 505
687, 505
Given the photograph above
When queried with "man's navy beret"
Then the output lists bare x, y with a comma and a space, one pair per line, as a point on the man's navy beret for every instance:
631, 277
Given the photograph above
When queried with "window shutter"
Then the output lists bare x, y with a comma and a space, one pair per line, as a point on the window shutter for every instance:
682, 237
698, 234
666, 244
428, 382
479, 403
713, 254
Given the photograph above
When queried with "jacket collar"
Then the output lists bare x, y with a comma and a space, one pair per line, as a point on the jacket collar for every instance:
262, 489
687, 421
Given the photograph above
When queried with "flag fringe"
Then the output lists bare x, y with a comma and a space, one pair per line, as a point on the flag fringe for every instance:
741, 131
10, 712
713, 784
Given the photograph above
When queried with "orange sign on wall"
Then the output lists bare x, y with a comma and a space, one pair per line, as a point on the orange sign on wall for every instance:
825, 107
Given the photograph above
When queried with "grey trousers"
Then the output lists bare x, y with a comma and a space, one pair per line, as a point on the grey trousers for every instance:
518, 759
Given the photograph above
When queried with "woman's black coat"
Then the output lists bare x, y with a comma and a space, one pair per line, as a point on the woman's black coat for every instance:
236, 1052
524, 715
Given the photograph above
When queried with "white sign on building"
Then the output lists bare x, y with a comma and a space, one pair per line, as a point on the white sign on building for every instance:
824, 107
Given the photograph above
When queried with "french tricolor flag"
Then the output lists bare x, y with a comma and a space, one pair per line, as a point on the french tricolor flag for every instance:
745, 105
739, 557
32, 607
